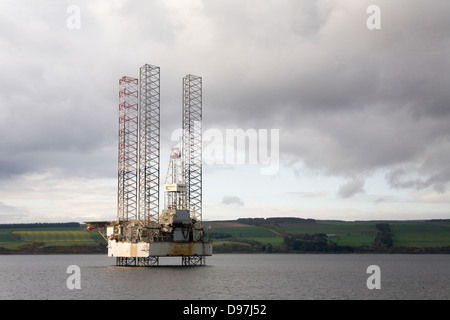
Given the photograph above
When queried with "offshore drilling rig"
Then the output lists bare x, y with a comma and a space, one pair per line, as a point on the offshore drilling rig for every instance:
141, 235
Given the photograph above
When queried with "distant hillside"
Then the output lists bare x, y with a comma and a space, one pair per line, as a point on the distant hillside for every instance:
270, 235
309, 235
49, 238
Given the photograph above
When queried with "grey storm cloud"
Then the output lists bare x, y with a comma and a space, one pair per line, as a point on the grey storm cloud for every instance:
351, 188
229, 200
348, 101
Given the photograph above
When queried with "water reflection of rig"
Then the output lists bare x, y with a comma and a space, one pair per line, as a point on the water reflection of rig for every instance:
140, 235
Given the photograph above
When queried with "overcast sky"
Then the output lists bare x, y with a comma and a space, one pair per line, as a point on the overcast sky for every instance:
363, 114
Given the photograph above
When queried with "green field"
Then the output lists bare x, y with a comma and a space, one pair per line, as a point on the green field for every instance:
247, 232
252, 233
421, 234
5, 236
13, 239
340, 232
55, 236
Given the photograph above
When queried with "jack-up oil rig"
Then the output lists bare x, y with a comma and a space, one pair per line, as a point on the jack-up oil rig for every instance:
140, 235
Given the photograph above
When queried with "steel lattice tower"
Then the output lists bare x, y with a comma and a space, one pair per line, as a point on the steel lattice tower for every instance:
149, 143
192, 143
128, 149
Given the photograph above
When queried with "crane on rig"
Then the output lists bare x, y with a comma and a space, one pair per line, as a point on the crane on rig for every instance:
140, 235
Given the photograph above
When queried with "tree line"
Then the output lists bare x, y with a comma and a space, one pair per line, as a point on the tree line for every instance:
40, 225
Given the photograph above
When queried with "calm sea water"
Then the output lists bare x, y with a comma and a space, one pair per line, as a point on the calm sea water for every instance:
228, 276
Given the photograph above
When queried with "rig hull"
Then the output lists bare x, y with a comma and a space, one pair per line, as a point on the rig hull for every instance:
158, 249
